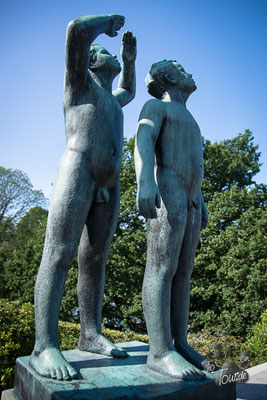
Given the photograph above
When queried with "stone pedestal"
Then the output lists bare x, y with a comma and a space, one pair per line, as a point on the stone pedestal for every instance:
105, 378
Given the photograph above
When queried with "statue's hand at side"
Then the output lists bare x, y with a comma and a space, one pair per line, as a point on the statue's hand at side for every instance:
205, 216
148, 199
116, 23
128, 47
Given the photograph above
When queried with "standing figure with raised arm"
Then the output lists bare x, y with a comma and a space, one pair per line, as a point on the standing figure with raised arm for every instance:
85, 200
169, 169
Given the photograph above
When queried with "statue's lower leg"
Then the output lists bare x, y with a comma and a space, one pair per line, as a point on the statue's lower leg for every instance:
47, 359
93, 253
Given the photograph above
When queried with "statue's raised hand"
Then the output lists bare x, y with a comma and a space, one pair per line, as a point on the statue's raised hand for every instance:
148, 199
116, 23
128, 47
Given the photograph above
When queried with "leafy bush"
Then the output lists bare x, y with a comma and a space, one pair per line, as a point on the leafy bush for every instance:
221, 348
256, 342
16, 337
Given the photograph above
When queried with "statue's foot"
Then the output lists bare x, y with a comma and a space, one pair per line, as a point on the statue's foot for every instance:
50, 363
97, 343
195, 358
174, 365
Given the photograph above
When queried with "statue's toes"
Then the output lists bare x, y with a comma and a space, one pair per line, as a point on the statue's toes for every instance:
53, 373
72, 373
46, 373
65, 373
118, 353
59, 374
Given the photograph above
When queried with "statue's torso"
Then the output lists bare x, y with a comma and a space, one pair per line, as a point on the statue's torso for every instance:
179, 147
94, 127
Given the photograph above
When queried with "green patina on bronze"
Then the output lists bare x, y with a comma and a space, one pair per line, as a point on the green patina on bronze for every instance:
85, 200
169, 169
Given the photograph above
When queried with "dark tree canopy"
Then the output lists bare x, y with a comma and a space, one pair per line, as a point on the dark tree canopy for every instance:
230, 162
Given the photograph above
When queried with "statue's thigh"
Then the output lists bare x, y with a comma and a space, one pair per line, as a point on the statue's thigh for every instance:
101, 222
190, 242
71, 199
166, 232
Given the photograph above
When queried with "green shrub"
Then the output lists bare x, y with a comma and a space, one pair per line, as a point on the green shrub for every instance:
16, 337
256, 342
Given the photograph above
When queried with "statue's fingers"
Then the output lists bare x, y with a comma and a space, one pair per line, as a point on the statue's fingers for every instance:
158, 202
152, 209
119, 24
129, 37
134, 41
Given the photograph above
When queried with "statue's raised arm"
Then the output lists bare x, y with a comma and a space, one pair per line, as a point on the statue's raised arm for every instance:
81, 32
85, 202
126, 86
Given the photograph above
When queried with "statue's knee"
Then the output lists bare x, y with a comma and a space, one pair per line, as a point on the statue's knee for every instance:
184, 270
62, 256
92, 258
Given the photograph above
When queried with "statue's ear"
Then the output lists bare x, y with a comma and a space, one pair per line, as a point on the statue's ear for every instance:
170, 79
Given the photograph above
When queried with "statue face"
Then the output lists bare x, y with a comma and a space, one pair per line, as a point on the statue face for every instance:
185, 80
105, 60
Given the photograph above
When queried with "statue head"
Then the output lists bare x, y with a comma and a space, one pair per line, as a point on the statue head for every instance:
101, 60
166, 74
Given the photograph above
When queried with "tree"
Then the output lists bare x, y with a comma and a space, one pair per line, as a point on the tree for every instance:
23, 256
228, 287
17, 196
221, 277
231, 162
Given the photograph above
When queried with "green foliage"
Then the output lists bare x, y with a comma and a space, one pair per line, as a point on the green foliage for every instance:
228, 282
16, 337
24, 256
17, 196
230, 162
256, 342
221, 348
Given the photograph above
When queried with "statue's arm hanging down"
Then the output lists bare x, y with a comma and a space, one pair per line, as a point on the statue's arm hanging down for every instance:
169, 169
85, 200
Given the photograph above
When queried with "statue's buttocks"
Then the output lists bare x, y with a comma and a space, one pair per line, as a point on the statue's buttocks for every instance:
95, 129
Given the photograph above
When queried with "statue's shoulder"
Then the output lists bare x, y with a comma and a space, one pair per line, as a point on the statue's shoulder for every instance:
153, 106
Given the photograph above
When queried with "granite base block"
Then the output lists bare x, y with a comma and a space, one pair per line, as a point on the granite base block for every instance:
106, 378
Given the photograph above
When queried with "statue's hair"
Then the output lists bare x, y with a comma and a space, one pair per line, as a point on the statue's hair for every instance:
155, 79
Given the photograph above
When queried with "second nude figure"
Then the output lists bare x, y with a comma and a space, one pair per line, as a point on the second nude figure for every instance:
169, 169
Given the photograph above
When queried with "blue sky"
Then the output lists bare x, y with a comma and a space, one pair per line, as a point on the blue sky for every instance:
222, 43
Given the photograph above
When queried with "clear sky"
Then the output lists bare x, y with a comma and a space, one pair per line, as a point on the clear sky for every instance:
222, 43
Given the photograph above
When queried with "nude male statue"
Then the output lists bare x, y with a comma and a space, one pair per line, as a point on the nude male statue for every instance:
169, 169
85, 200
